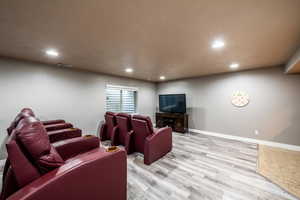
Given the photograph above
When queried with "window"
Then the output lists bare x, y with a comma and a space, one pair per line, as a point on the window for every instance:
121, 99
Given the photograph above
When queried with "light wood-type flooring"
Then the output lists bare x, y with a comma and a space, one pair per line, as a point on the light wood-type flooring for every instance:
202, 167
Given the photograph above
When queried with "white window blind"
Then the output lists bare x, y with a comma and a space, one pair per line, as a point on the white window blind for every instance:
121, 99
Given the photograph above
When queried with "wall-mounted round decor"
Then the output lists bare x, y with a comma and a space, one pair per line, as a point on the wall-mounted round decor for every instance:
240, 99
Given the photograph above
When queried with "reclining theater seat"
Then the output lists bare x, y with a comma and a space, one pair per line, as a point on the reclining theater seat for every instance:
109, 128
55, 121
48, 122
57, 129
71, 169
124, 131
50, 125
153, 143
54, 137
64, 134
23, 114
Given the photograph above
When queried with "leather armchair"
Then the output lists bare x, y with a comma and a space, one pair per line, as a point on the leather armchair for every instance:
56, 121
124, 132
57, 129
64, 134
30, 112
74, 146
109, 128
23, 114
57, 132
52, 125
153, 143
27, 112
73, 169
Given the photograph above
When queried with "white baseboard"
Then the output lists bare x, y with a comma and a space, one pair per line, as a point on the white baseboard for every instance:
249, 140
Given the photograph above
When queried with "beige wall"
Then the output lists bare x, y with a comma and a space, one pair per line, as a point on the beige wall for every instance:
79, 97
274, 108
53, 92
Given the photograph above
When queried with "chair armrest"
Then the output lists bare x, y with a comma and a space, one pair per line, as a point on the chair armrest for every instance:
64, 134
157, 145
114, 135
94, 175
71, 147
56, 121
103, 132
128, 142
54, 127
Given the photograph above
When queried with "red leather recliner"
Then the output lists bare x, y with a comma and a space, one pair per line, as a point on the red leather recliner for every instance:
57, 129
124, 131
54, 136
23, 114
71, 169
55, 121
28, 111
52, 125
109, 128
153, 143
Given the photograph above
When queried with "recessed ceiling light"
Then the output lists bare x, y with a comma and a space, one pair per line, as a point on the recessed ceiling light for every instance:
234, 65
128, 70
52, 52
162, 78
217, 44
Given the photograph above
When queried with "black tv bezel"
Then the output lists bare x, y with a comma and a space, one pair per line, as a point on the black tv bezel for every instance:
171, 95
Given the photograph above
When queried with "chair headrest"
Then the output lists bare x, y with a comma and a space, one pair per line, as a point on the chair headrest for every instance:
124, 115
28, 111
16, 121
34, 138
110, 113
141, 117
26, 120
144, 118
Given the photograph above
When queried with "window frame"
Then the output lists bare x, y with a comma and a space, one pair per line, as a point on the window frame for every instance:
122, 88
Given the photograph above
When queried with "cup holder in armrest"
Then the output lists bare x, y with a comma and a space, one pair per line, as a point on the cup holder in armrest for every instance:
88, 136
112, 149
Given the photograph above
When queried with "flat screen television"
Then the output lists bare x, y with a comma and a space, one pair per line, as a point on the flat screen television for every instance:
173, 103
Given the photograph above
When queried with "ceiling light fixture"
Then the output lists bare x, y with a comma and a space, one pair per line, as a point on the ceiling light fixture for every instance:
234, 65
162, 78
52, 52
217, 44
129, 70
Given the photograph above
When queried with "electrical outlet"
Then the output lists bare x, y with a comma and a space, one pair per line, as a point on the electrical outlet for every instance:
256, 132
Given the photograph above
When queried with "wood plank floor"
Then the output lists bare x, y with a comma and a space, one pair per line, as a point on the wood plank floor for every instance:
201, 167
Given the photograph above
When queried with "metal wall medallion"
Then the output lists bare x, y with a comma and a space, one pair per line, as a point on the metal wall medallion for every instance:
240, 99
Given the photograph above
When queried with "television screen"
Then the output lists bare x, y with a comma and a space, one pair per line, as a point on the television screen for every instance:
174, 103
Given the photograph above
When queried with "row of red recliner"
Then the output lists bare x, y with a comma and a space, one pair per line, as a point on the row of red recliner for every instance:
137, 134
47, 167
57, 129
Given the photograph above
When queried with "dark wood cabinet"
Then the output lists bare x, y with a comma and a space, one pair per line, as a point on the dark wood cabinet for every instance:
177, 121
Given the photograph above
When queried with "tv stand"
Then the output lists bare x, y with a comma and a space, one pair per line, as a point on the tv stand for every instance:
177, 121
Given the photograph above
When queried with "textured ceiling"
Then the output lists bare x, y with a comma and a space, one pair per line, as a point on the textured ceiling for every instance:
154, 37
